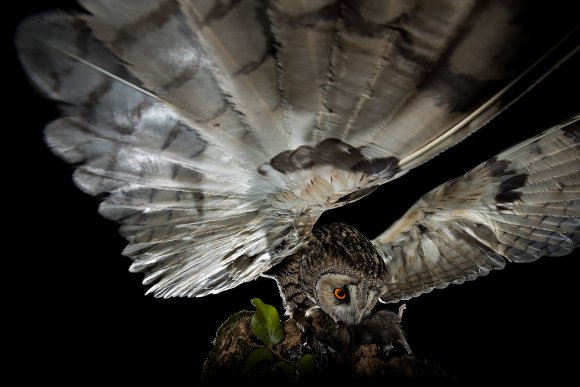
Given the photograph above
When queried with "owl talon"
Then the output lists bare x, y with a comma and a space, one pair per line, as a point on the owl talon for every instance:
307, 337
302, 321
402, 308
305, 324
387, 349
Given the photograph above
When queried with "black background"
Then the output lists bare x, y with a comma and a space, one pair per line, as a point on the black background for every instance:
76, 314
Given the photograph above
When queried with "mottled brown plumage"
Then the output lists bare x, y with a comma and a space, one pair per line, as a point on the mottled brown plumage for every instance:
335, 253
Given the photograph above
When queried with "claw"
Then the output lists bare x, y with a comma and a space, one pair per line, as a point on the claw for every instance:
307, 337
401, 310
305, 325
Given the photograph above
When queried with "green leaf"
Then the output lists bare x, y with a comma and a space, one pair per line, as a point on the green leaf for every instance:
265, 323
258, 359
284, 369
306, 365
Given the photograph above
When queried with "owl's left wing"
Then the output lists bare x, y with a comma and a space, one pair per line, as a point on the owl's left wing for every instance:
520, 205
179, 162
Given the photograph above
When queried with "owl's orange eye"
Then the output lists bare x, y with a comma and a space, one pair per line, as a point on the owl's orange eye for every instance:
339, 293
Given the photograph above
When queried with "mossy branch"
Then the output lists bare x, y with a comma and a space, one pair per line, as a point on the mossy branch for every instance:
239, 356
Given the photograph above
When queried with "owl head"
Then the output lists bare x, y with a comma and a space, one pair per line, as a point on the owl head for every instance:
343, 273
346, 298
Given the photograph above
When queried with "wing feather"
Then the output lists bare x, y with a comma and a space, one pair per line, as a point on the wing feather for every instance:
184, 203
159, 48
510, 207
411, 79
238, 44
384, 51
304, 31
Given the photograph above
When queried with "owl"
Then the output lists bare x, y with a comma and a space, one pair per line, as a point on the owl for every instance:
217, 133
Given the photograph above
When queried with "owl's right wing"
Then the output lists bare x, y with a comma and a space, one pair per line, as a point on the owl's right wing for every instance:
520, 205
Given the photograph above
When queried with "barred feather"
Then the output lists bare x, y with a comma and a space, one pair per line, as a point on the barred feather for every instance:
521, 205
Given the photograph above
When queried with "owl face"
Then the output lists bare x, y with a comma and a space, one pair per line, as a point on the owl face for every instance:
345, 298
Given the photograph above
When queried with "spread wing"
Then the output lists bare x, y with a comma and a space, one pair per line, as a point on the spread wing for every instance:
520, 205
216, 132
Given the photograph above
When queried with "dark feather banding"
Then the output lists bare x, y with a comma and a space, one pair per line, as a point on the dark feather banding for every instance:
337, 154
520, 209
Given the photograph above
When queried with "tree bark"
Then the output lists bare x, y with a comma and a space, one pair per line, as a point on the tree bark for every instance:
344, 360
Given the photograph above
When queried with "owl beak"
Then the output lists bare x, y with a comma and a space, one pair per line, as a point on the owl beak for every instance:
356, 316
366, 309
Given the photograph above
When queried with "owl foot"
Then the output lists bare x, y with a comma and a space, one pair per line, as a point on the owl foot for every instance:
310, 323
304, 324
307, 336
